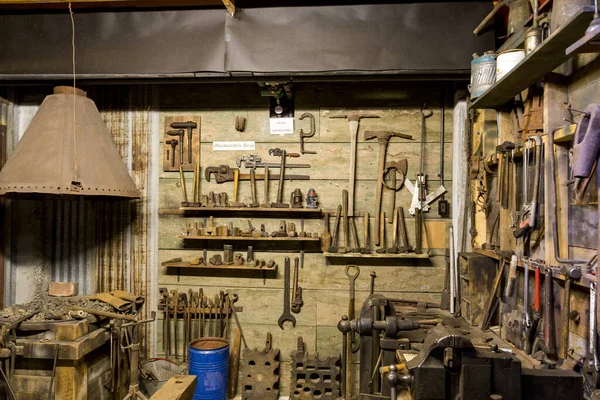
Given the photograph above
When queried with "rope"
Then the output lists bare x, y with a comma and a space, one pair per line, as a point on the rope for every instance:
76, 178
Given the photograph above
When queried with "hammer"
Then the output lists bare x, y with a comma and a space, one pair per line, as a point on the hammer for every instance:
383, 138
180, 133
173, 143
189, 125
353, 121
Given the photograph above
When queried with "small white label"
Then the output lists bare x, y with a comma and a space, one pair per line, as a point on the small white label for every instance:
282, 126
233, 146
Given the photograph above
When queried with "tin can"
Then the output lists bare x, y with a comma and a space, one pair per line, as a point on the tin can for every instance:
483, 73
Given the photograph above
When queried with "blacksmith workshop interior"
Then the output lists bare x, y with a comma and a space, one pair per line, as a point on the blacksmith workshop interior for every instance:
261, 200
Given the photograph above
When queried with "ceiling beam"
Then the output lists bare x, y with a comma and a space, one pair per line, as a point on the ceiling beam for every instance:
57, 4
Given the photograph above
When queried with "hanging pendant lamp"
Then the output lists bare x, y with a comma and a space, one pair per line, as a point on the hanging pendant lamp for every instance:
67, 150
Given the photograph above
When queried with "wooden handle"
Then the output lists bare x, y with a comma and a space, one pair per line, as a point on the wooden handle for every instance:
182, 182
236, 181
382, 229
366, 223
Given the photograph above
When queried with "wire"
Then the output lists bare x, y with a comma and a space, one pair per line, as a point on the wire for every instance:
76, 177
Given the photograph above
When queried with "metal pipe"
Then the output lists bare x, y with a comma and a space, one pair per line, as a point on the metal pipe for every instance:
56, 348
452, 277
526, 295
555, 207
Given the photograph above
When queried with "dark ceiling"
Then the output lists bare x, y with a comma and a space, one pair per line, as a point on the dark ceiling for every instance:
91, 5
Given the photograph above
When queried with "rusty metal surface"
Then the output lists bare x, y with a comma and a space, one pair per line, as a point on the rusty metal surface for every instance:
260, 370
314, 377
66, 149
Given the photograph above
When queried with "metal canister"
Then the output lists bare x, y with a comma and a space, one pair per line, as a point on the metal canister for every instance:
209, 361
483, 73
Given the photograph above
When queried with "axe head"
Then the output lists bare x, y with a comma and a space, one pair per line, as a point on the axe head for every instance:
384, 136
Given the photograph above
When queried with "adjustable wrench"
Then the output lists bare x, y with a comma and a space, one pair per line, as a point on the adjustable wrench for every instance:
297, 301
286, 315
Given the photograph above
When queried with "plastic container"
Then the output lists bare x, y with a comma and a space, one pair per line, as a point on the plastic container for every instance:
507, 60
209, 361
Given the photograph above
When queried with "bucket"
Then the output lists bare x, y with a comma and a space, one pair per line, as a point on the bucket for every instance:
507, 60
209, 361
483, 73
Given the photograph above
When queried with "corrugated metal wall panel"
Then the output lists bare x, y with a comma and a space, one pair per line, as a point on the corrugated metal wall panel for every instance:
101, 244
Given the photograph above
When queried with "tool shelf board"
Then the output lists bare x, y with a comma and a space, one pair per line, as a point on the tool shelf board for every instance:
583, 282
245, 211
537, 64
375, 255
221, 267
250, 239
393, 260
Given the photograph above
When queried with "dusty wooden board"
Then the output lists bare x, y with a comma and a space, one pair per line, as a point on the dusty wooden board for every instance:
178, 387
171, 227
249, 239
331, 160
406, 278
219, 125
172, 160
329, 192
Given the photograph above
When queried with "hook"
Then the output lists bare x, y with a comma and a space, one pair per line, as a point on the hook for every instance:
429, 111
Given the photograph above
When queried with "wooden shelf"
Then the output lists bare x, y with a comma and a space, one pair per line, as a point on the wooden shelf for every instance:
565, 135
250, 239
546, 57
245, 211
187, 265
386, 256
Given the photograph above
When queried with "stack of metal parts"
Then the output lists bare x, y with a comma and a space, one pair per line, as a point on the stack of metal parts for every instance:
207, 228
192, 315
313, 377
260, 370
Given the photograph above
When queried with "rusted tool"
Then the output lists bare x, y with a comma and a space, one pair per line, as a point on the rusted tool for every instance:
277, 152
383, 138
254, 161
366, 249
183, 188
266, 203
224, 173
325, 236
529, 211
261, 372
394, 247
236, 183
308, 134
175, 294
354, 234
297, 301
282, 232
353, 122
286, 315
352, 345
173, 143
392, 169
189, 126
179, 133
487, 311
373, 275
403, 247
346, 248
254, 203
186, 312
381, 230
196, 192
334, 240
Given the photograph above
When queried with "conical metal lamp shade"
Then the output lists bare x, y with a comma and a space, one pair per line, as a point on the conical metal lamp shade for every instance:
52, 157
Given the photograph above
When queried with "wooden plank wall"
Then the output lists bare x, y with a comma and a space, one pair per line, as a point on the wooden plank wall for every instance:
325, 287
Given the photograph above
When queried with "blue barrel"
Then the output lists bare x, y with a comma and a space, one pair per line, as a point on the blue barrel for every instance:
209, 361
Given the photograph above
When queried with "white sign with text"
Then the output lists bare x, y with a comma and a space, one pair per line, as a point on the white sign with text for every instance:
282, 126
233, 146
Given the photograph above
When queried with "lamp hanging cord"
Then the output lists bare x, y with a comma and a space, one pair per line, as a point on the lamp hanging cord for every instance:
76, 177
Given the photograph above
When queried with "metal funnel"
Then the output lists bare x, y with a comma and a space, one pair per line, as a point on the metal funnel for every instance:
67, 150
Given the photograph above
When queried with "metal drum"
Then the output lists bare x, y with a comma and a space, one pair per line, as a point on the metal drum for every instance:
209, 361
483, 73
